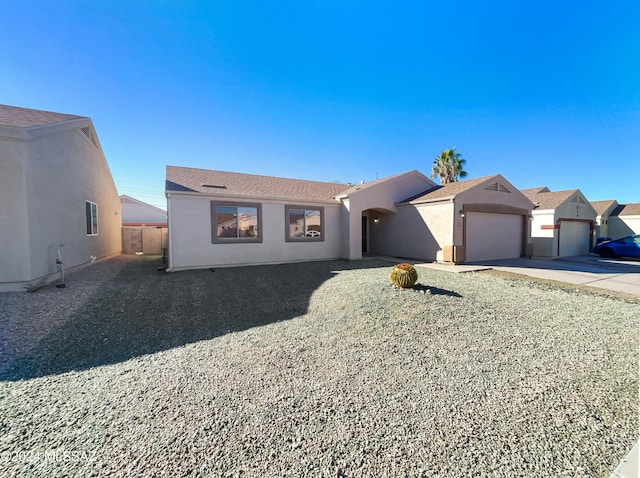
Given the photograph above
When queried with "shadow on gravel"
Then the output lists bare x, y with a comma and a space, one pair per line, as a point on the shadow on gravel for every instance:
435, 290
142, 311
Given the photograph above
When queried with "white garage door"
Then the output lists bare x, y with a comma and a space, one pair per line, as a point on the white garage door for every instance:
493, 236
574, 238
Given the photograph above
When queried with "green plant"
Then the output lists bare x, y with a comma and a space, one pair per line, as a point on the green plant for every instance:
404, 276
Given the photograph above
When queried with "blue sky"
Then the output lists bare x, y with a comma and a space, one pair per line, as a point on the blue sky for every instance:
542, 92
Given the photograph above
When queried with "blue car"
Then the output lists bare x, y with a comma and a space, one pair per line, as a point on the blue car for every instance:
624, 247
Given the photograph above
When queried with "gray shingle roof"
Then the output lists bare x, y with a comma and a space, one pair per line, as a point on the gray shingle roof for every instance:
602, 206
25, 118
224, 183
547, 200
627, 210
450, 189
361, 186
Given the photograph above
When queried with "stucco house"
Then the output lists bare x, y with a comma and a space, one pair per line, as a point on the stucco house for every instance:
563, 223
466, 221
624, 220
219, 218
603, 212
144, 227
55, 188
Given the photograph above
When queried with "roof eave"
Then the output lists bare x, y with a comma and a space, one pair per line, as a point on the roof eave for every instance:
225, 197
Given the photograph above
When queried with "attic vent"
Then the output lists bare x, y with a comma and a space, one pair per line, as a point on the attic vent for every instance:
577, 200
88, 132
497, 186
214, 186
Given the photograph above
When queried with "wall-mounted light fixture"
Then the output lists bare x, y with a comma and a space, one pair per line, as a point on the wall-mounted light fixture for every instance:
461, 213
375, 219
530, 218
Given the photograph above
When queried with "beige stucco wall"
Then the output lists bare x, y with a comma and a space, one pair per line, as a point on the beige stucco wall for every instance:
191, 247
621, 226
62, 168
381, 197
142, 213
545, 241
414, 231
14, 228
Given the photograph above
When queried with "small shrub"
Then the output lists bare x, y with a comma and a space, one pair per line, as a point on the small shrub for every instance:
404, 276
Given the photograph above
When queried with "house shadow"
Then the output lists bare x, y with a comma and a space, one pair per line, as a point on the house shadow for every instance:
428, 289
143, 311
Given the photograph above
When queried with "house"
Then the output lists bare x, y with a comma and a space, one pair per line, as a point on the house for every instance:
139, 213
219, 218
624, 220
56, 193
466, 221
563, 223
144, 227
603, 212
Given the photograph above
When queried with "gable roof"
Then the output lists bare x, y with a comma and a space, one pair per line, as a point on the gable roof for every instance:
124, 199
627, 210
361, 186
602, 206
18, 117
548, 200
450, 190
224, 183
540, 189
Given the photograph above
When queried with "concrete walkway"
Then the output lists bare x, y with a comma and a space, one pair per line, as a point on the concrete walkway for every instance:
590, 270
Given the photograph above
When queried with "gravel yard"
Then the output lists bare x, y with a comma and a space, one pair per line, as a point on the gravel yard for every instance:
316, 369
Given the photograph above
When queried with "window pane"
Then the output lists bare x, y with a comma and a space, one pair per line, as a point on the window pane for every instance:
94, 218
296, 223
248, 221
226, 221
313, 226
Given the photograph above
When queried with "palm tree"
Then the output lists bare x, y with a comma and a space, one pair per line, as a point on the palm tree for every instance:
448, 166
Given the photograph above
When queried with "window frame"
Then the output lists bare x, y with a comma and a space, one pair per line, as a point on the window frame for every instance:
234, 240
91, 218
304, 238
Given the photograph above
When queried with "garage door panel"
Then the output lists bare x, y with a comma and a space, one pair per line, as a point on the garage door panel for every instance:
493, 236
574, 238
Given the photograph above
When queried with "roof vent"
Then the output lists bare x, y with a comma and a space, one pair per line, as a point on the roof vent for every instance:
497, 186
214, 186
88, 132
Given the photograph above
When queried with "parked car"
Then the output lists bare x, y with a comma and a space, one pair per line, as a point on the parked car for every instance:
628, 246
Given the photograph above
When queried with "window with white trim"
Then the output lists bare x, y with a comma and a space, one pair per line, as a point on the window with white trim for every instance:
304, 224
91, 217
235, 222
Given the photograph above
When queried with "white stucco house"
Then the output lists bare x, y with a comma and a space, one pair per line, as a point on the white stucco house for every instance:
624, 220
144, 227
563, 223
55, 188
219, 218
140, 213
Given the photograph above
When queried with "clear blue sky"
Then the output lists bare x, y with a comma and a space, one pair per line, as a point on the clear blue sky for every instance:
543, 92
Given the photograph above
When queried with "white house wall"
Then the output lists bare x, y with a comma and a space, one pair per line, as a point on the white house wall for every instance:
545, 243
142, 213
191, 246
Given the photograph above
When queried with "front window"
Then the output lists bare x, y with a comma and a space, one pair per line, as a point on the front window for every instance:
304, 224
91, 218
233, 222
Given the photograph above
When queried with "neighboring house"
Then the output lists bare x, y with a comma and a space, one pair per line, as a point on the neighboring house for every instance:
139, 213
219, 218
563, 223
624, 221
144, 227
55, 188
466, 221
603, 211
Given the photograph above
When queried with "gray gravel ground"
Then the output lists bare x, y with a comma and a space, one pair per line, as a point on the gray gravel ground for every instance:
317, 369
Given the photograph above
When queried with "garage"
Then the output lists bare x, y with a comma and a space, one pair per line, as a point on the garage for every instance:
491, 236
574, 238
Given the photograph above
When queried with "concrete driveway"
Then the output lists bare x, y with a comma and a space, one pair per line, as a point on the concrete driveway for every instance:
613, 274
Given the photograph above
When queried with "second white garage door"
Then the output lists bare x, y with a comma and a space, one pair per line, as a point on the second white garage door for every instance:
574, 238
493, 236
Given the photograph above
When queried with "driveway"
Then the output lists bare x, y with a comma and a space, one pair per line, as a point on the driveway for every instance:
613, 274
